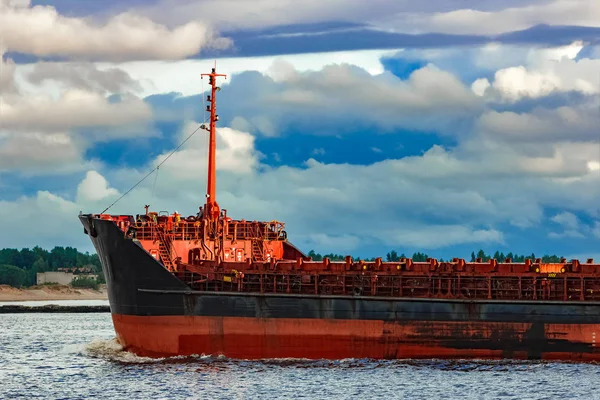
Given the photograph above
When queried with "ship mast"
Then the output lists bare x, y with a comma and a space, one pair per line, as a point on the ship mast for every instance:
212, 211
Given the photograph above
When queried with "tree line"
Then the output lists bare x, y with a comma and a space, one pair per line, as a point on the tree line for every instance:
500, 257
20, 267
393, 256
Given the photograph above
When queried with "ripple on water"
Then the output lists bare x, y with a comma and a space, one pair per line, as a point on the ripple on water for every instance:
76, 356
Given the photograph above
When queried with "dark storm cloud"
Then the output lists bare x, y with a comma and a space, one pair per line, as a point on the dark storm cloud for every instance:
340, 36
554, 35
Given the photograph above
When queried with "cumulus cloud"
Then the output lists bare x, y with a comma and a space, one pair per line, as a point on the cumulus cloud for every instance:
475, 21
235, 152
83, 76
43, 108
542, 125
42, 31
566, 219
159, 77
543, 78
482, 62
75, 108
94, 187
516, 82
40, 153
340, 95
15, 3
479, 86
44, 219
7, 72
430, 99
557, 53
572, 227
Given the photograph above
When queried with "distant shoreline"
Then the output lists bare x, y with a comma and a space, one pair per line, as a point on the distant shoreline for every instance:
51, 308
51, 292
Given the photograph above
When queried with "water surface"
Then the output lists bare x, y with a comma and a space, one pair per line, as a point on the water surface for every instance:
74, 356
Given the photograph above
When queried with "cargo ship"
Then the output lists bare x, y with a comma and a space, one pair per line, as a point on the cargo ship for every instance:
210, 284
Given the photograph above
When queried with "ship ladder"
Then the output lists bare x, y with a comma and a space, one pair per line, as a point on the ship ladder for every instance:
164, 251
258, 252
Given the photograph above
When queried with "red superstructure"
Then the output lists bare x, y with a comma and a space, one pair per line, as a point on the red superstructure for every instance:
209, 238
241, 288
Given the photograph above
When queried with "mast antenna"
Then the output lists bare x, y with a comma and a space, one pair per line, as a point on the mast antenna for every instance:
212, 210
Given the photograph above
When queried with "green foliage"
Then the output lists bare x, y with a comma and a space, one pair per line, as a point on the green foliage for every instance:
35, 260
58, 257
420, 257
332, 256
315, 256
101, 278
11, 275
516, 258
84, 282
392, 256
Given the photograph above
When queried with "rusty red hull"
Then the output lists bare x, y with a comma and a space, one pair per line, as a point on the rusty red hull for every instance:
156, 314
251, 338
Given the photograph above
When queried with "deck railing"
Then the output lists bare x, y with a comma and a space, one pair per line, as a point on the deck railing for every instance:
458, 280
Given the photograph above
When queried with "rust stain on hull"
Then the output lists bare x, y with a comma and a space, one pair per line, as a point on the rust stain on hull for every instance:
252, 338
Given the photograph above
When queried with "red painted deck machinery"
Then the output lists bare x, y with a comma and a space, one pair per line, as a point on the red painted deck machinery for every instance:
232, 255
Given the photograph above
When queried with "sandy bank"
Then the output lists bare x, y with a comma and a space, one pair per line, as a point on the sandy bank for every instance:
54, 292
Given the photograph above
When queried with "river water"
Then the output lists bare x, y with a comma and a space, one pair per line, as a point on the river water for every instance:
75, 356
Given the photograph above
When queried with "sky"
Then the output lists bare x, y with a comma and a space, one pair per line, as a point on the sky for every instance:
440, 127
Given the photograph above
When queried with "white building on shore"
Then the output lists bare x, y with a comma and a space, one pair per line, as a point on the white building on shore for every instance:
60, 277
